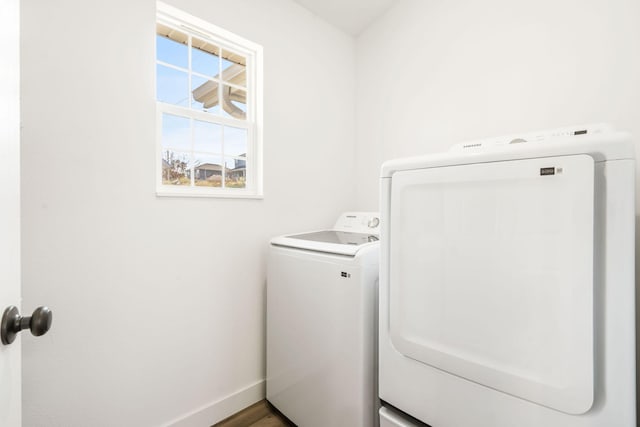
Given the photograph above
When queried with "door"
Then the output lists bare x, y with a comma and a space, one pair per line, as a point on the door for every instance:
491, 275
10, 373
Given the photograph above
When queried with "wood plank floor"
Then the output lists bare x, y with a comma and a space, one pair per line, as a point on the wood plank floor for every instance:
260, 414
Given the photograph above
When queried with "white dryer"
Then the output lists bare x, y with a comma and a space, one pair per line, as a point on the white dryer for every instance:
321, 323
507, 283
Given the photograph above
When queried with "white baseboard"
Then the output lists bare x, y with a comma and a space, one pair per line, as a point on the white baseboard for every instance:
217, 411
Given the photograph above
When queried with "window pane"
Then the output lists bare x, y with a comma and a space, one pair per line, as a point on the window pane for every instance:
176, 132
175, 168
234, 68
236, 176
207, 137
171, 51
204, 95
234, 102
207, 171
204, 58
172, 86
235, 141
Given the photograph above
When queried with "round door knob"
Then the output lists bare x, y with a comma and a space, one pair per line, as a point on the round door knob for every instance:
40, 321
12, 323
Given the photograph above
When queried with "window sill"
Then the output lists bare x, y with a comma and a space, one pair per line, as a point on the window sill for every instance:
195, 192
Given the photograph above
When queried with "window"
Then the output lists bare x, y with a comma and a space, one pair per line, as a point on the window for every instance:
208, 96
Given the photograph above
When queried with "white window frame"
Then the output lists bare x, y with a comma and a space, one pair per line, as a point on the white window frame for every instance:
169, 15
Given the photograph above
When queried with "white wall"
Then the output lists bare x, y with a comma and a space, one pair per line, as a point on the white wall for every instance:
433, 73
159, 302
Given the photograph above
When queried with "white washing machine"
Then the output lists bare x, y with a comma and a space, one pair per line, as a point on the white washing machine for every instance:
507, 283
321, 323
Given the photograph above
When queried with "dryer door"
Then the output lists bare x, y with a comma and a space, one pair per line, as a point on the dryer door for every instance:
491, 275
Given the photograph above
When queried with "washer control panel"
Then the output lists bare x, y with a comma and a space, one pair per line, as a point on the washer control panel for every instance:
359, 222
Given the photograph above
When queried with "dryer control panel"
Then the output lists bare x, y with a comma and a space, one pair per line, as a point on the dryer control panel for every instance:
359, 222
539, 136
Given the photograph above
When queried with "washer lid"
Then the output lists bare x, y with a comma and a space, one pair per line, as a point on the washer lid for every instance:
330, 241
